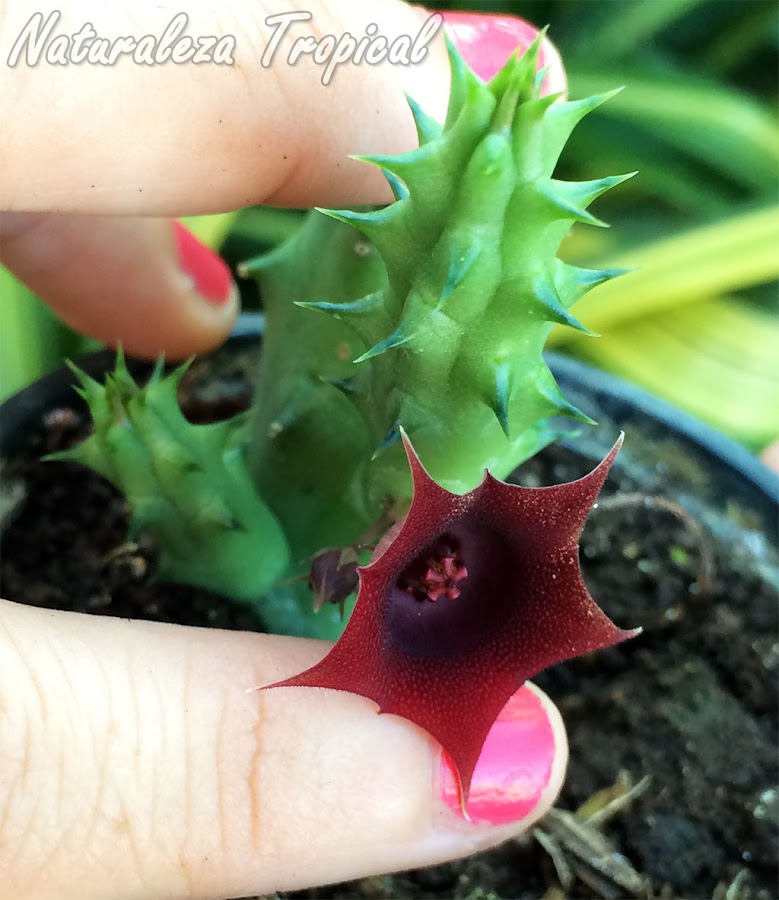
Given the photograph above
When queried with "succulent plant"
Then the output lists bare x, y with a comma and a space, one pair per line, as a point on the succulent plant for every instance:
428, 323
429, 315
449, 345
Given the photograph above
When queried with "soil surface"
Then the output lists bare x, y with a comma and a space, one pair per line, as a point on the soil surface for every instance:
673, 735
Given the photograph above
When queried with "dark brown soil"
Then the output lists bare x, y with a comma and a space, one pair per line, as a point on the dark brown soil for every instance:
692, 703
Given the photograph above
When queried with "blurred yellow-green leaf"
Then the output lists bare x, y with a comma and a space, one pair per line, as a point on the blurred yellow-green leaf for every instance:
30, 336
703, 262
212, 230
715, 357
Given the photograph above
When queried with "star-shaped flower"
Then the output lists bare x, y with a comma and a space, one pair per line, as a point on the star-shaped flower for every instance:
463, 601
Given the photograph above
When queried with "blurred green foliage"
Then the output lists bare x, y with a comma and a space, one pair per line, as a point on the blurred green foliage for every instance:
697, 322
32, 341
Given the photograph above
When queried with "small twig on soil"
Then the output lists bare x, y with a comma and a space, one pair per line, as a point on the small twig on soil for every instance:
738, 889
128, 549
564, 872
579, 850
595, 861
705, 577
617, 804
131, 555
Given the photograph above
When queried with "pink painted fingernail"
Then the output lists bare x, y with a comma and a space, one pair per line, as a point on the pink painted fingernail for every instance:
486, 41
208, 271
516, 765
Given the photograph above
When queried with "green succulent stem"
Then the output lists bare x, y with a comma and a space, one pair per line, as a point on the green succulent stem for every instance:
310, 442
444, 301
187, 485
429, 315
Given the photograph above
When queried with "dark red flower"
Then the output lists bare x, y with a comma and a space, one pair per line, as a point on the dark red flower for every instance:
463, 601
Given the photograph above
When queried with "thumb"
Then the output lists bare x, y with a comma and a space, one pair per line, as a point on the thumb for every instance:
263, 125
145, 283
276, 125
137, 764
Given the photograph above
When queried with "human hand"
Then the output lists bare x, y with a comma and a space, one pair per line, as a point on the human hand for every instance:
95, 155
136, 759
138, 763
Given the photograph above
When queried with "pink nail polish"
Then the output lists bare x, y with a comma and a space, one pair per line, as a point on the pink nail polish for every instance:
514, 768
209, 272
486, 41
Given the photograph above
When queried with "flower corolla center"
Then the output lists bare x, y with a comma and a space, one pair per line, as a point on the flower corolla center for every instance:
438, 576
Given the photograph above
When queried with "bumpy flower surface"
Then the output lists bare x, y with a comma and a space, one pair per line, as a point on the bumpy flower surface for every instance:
464, 601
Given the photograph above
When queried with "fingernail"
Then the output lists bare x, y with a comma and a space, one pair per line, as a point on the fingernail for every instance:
486, 41
515, 767
208, 271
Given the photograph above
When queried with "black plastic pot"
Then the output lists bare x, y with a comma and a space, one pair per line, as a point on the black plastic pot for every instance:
703, 465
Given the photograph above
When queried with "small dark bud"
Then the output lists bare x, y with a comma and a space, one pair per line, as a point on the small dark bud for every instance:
333, 576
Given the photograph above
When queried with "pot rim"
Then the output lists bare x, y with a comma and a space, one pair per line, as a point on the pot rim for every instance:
715, 444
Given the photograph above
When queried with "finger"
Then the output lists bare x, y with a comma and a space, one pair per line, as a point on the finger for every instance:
166, 139
136, 764
144, 283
